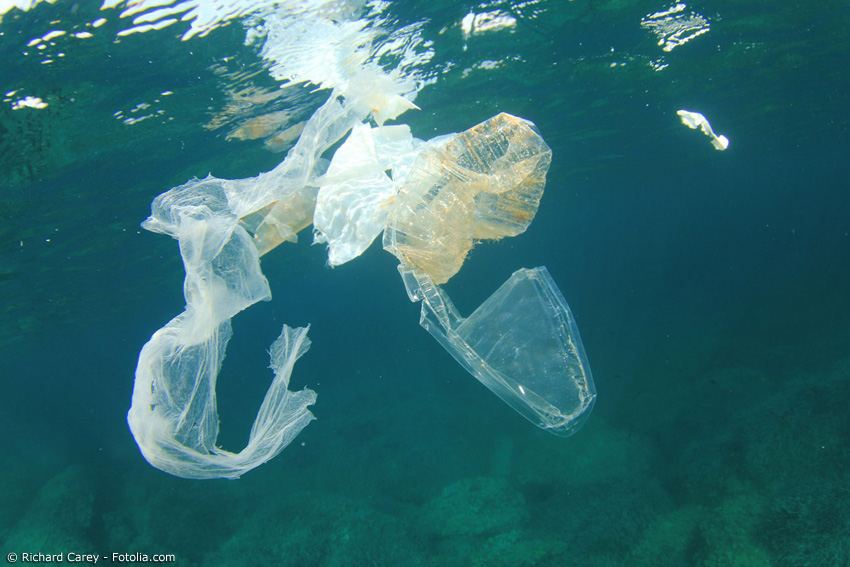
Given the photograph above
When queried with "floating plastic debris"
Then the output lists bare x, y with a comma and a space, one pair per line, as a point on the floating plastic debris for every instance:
696, 120
433, 200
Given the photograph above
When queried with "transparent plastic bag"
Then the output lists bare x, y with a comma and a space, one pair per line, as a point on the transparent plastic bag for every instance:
522, 343
223, 227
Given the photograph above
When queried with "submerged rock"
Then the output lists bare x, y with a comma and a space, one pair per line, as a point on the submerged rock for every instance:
60, 516
475, 507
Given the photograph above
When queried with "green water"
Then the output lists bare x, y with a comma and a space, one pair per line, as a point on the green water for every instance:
710, 289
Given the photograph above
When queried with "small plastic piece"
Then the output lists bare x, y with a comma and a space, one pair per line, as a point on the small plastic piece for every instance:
696, 120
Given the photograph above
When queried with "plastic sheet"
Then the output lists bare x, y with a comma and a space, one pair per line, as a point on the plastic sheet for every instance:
485, 183
359, 189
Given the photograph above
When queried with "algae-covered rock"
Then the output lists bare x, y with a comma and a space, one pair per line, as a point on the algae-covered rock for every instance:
668, 541
799, 432
60, 516
726, 537
187, 519
723, 536
15, 495
517, 549
475, 507
324, 529
809, 525
602, 453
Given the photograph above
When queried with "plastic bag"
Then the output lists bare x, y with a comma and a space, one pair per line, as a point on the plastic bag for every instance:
173, 415
484, 183
522, 343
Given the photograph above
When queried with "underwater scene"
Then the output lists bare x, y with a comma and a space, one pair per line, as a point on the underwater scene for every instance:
370, 283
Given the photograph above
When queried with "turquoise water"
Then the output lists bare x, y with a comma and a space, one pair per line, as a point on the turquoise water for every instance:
710, 289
